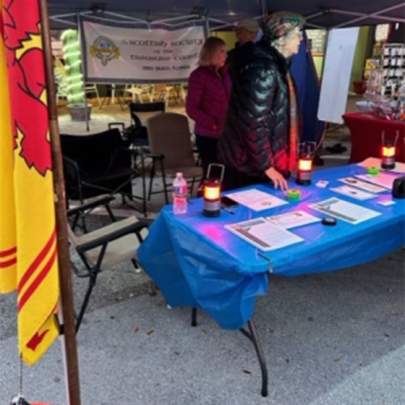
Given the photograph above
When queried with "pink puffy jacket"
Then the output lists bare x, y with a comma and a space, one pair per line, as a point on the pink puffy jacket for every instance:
207, 100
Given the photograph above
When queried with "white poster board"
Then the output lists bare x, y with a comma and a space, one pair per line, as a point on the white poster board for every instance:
337, 73
115, 54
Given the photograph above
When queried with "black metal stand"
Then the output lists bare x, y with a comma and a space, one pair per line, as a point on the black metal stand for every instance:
251, 334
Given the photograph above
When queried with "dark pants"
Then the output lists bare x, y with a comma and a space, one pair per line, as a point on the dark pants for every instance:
207, 149
235, 179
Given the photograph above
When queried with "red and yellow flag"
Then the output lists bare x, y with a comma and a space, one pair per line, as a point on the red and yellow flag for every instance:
28, 250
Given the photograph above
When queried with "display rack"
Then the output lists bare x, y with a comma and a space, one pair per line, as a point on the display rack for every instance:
393, 64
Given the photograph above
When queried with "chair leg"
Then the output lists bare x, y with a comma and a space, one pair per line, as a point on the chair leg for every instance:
152, 175
84, 225
144, 207
85, 303
92, 282
162, 168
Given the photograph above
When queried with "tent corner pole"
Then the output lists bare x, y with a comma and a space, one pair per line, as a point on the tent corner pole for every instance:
86, 110
66, 300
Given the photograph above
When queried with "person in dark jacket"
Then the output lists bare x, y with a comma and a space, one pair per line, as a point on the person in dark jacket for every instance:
260, 136
246, 33
209, 89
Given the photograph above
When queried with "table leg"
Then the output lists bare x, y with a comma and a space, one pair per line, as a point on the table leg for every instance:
194, 317
251, 334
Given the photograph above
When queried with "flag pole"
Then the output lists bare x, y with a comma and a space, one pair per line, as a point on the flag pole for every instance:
69, 332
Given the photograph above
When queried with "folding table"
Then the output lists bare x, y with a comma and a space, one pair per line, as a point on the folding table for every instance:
196, 262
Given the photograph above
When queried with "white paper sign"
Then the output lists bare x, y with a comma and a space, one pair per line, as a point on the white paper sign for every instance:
337, 73
122, 54
353, 193
293, 219
383, 179
256, 200
263, 234
340, 209
363, 185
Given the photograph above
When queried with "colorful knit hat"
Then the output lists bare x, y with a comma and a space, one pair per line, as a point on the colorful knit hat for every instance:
279, 24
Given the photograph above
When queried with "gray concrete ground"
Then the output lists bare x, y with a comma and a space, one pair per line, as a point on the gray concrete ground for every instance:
336, 338
331, 339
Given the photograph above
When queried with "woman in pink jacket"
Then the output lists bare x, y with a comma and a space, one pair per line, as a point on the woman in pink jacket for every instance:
209, 88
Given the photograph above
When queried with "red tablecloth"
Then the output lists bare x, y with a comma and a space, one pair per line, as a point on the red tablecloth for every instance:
366, 132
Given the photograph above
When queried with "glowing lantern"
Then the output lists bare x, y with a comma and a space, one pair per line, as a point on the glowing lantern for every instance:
304, 171
388, 152
212, 191
212, 198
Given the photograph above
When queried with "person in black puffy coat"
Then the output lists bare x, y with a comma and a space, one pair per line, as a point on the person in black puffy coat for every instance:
256, 142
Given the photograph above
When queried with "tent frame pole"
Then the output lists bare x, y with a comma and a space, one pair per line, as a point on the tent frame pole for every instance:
69, 347
364, 16
79, 35
265, 9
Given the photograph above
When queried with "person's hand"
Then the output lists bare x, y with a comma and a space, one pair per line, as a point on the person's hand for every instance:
277, 178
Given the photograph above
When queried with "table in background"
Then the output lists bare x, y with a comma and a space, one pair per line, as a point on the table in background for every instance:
366, 132
196, 262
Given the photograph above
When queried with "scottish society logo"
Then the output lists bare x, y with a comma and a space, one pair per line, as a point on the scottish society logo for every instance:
105, 50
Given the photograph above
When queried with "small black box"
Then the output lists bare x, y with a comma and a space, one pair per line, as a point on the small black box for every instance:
398, 188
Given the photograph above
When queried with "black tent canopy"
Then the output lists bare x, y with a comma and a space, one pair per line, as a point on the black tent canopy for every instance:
319, 13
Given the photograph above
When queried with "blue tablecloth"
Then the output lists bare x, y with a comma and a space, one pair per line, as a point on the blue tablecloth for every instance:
196, 262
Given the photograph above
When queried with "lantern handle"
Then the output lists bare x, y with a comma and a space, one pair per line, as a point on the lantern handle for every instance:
307, 147
222, 171
395, 139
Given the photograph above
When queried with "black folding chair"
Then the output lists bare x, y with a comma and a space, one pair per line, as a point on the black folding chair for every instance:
105, 246
137, 133
99, 164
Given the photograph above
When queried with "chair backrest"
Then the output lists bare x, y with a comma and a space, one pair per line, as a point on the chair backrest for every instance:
93, 156
138, 134
147, 107
135, 108
93, 153
169, 135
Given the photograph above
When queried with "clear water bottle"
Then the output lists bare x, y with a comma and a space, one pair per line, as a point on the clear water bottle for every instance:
179, 194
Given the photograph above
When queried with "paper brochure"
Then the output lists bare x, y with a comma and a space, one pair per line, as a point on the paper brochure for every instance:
385, 180
346, 211
263, 234
353, 193
293, 219
363, 185
256, 200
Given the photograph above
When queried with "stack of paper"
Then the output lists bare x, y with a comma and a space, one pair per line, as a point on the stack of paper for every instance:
263, 234
256, 200
352, 192
363, 185
293, 219
349, 212
384, 179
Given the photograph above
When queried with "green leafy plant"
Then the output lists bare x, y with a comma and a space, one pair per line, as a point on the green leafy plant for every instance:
73, 64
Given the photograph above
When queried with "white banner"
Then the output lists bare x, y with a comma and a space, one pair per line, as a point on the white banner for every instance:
337, 73
118, 54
